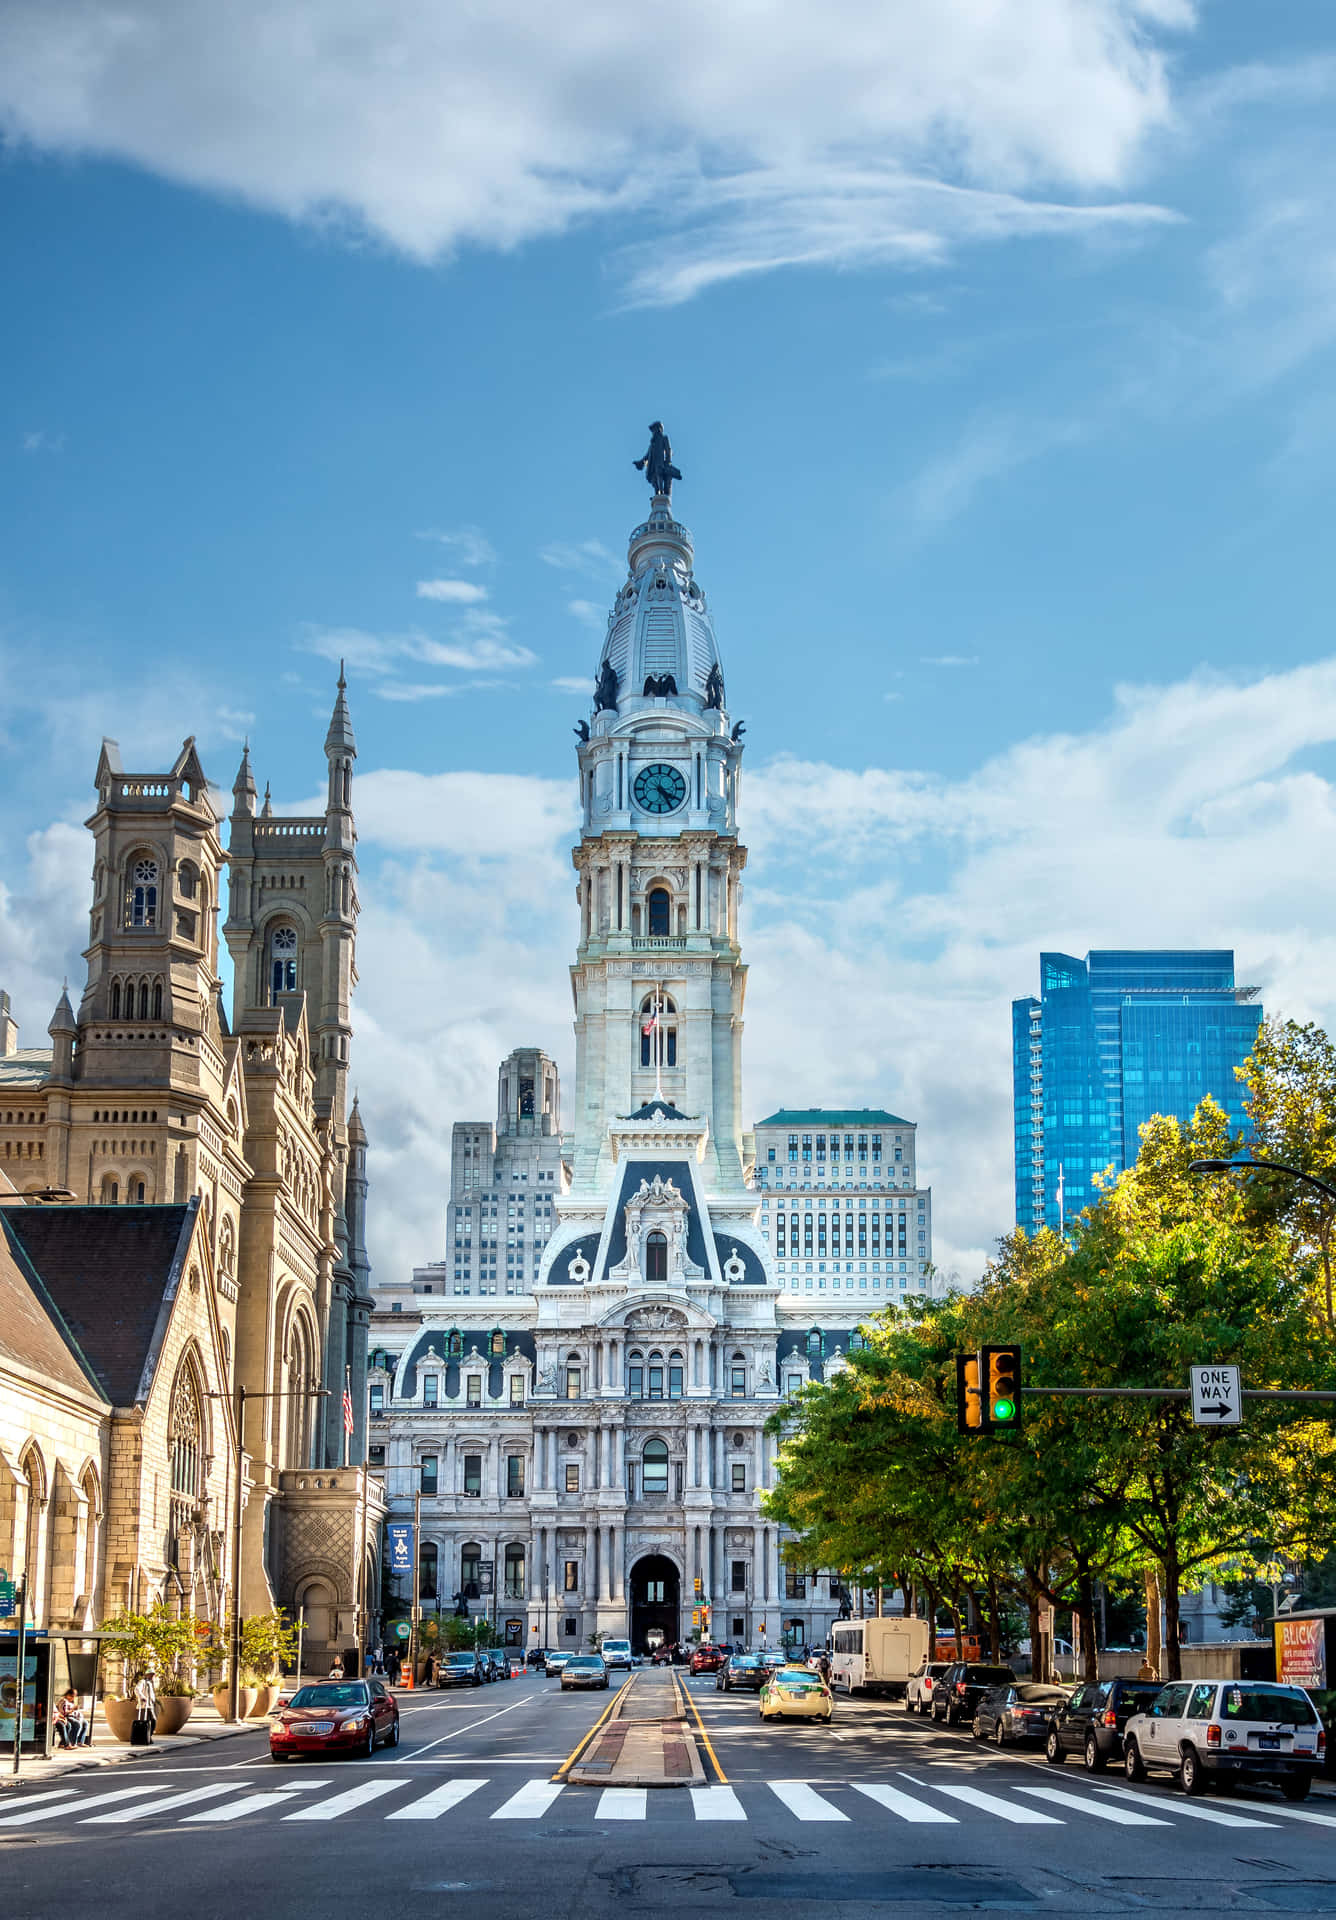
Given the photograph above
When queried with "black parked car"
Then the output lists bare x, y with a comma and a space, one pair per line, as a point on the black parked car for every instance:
1092, 1721
957, 1694
743, 1670
1018, 1710
461, 1670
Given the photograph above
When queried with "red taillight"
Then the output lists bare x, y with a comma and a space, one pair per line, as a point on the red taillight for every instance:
1212, 1735
1322, 1740
960, 1686
927, 1683
1110, 1717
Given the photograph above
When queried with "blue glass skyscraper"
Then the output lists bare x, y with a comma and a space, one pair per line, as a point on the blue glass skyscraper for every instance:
1111, 1040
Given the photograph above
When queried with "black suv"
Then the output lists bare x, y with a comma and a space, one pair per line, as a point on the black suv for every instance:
956, 1696
1092, 1721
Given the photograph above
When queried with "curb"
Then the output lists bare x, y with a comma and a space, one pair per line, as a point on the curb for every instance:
92, 1760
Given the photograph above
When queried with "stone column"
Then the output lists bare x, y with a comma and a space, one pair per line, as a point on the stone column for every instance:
450, 1484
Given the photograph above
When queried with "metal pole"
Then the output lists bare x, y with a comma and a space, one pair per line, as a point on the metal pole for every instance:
361, 1579
415, 1613
234, 1630
18, 1676
301, 1629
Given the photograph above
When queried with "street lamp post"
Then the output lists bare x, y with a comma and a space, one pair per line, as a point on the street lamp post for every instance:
1274, 1166
239, 1398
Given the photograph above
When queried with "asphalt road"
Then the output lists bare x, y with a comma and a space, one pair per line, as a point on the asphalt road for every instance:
880, 1814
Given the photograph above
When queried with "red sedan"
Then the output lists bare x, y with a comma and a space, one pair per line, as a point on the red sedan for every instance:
335, 1716
705, 1659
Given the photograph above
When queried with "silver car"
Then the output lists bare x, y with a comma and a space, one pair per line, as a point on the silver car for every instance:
584, 1670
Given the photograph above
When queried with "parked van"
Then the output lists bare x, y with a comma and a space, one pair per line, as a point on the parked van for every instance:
877, 1656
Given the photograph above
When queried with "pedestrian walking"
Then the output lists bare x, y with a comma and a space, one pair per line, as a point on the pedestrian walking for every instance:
146, 1710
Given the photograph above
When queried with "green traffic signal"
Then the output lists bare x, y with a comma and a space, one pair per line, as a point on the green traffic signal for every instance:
1004, 1410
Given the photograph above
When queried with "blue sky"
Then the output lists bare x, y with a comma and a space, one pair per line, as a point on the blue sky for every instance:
996, 344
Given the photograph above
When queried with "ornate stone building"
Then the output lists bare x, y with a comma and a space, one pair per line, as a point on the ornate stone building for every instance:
589, 1446
152, 1099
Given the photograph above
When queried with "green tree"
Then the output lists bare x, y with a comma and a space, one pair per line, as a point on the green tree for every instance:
1291, 1079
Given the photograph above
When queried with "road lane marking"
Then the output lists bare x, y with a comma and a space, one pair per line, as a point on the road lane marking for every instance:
1004, 1809
1288, 1813
440, 1800
167, 1805
597, 1727
530, 1803
345, 1802
1102, 1810
803, 1803
622, 1803
71, 1806
527, 1702
716, 1803
1190, 1809
906, 1805
254, 1803
714, 1757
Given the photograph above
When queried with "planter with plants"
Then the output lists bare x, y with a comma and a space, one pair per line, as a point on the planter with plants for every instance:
156, 1643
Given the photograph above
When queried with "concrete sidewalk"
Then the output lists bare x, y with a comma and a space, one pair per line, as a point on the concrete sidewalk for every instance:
646, 1743
203, 1726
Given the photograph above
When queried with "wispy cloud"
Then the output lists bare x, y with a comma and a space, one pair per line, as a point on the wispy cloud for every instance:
458, 593
42, 440
945, 486
469, 545
574, 683
949, 660
589, 557
479, 644
589, 614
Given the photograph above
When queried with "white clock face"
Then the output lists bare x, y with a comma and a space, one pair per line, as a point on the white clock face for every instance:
659, 789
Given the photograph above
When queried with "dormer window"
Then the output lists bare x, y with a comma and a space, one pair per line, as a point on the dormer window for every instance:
660, 912
656, 1257
498, 1345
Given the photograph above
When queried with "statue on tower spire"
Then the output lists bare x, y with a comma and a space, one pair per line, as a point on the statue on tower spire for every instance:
657, 465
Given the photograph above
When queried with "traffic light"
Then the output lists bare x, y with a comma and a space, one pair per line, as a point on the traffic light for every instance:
971, 1415
1003, 1368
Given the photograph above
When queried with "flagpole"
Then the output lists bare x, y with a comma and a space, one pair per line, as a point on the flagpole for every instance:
1062, 1221
658, 1040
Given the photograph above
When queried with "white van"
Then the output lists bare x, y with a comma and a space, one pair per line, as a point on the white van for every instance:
616, 1653
878, 1655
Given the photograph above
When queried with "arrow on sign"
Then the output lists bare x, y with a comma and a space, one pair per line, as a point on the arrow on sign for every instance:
1216, 1410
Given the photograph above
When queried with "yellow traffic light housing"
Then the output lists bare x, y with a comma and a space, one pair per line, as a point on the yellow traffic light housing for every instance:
971, 1415
1002, 1366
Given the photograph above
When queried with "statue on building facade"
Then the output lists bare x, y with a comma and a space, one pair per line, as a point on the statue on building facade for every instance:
605, 688
714, 687
657, 464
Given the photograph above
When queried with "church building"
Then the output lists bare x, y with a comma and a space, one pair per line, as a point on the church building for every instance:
585, 1435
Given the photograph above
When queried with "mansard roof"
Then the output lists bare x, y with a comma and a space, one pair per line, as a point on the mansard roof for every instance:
834, 1117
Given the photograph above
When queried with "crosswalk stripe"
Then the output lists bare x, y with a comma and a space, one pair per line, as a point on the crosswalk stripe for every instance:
530, 1803
716, 1803
1191, 1811
253, 1803
1289, 1813
1102, 1809
168, 1804
1004, 1809
30, 1800
906, 1805
345, 1802
440, 1800
621, 1803
803, 1802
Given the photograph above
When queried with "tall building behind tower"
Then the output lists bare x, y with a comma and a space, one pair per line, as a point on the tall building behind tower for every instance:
1111, 1040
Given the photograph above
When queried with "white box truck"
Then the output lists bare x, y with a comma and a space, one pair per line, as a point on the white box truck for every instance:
877, 1656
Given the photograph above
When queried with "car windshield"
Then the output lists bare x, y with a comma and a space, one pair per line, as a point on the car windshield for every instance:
1257, 1701
797, 1681
745, 1660
584, 1660
352, 1694
459, 1659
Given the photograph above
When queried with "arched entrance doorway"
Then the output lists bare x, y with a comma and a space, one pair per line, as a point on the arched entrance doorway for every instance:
656, 1603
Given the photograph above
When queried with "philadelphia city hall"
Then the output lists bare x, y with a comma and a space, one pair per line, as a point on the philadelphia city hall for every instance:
578, 1411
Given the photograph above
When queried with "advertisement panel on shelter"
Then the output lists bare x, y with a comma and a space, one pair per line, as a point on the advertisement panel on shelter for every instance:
399, 1547
1301, 1652
36, 1661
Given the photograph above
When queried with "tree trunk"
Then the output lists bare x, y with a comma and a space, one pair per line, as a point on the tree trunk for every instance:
1032, 1599
1173, 1665
1154, 1653
994, 1621
1085, 1613
930, 1596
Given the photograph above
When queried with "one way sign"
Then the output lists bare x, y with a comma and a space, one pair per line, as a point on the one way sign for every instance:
1217, 1397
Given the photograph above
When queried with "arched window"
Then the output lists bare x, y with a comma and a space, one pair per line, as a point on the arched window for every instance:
635, 1376
282, 962
656, 1376
470, 1569
660, 1032
141, 893
856, 1342
427, 1559
498, 1344
157, 999
111, 1190
656, 1256
187, 875
87, 1572
34, 1472
135, 1190
227, 1249
515, 1573
185, 1449
115, 999
660, 911
143, 999
674, 1376
654, 1466
454, 1344
816, 1345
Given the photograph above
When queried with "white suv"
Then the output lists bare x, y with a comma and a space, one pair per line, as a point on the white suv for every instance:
921, 1683
1217, 1730
616, 1653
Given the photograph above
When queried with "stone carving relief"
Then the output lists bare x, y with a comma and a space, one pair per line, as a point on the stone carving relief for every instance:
578, 1269
735, 1268
656, 1320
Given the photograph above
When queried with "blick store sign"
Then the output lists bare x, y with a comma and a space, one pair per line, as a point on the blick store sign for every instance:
1301, 1652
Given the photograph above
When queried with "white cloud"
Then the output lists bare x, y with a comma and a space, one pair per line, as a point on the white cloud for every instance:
43, 441
478, 645
458, 593
469, 545
589, 613
949, 660
845, 131
574, 683
945, 485
589, 557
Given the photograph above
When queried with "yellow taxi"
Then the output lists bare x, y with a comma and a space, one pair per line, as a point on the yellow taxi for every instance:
796, 1693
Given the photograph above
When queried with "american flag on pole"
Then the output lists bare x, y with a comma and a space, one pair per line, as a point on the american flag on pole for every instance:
650, 1025
347, 1400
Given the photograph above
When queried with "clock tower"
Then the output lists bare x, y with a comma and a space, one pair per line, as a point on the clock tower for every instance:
658, 978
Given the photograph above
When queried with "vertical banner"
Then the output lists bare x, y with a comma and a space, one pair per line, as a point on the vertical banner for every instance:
399, 1548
